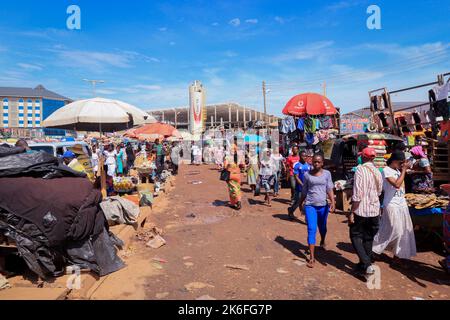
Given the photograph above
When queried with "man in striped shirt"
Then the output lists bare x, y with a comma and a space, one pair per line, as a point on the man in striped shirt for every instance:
364, 218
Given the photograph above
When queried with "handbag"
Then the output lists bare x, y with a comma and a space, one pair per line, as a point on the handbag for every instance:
224, 175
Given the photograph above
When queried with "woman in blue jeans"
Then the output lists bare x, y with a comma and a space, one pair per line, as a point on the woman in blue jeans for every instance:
317, 187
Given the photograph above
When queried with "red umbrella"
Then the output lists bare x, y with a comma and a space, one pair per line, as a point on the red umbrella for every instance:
309, 104
162, 129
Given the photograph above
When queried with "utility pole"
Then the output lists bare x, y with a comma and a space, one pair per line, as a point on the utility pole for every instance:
94, 84
264, 98
324, 89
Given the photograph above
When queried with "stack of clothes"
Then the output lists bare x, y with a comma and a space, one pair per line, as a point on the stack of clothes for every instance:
53, 215
380, 148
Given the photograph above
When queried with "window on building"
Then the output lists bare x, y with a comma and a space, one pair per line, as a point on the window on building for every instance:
38, 121
30, 115
5, 101
5, 114
20, 100
30, 122
5, 121
20, 121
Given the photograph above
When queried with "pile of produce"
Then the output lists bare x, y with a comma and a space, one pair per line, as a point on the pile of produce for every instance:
425, 201
124, 184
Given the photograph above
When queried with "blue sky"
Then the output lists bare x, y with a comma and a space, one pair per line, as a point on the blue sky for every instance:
148, 52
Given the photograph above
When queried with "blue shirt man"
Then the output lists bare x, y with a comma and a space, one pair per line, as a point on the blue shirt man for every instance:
299, 170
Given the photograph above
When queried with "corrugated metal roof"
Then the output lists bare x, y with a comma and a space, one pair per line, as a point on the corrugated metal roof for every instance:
395, 107
38, 92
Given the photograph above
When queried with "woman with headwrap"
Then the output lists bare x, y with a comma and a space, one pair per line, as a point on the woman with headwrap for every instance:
421, 174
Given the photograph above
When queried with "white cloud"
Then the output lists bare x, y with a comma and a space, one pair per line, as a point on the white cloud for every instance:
280, 20
28, 66
342, 5
106, 92
310, 51
93, 59
163, 29
230, 54
172, 43
148, 87
409, 51
252, 21
236, 22
215, 24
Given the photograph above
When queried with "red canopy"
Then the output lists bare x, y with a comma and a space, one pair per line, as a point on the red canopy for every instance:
162, 129
309, 104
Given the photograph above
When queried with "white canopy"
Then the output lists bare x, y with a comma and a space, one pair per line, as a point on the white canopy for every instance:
91, 114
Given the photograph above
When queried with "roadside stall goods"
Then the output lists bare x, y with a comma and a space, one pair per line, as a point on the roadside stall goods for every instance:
125, 184
344, 159
427, 212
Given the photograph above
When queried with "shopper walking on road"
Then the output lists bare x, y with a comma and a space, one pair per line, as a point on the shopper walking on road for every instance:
317, 187
300, 169
290, 164
365, 212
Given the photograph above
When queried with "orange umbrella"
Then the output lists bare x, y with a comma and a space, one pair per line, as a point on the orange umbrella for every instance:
162, 129
309, 104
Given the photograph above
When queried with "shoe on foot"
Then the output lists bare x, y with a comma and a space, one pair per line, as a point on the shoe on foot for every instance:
370, 270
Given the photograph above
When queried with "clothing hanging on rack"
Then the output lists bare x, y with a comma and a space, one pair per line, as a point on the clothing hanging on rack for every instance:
439, 106
301, 124
417, 121
288, 124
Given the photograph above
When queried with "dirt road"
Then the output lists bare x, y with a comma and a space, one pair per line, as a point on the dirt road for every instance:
215, 252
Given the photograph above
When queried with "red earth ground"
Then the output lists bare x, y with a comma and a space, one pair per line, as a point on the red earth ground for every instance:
204, 235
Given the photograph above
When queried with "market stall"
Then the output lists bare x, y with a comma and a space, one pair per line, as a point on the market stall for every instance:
311, 120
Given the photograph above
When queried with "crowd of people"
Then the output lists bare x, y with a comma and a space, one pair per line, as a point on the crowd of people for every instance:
379, 220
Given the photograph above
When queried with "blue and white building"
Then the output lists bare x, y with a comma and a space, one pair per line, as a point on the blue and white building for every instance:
28, 107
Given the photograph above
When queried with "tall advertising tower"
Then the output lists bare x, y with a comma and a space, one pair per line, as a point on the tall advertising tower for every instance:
197, 108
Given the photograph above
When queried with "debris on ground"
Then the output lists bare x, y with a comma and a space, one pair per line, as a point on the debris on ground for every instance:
281, 270
191, 215
156, 265
418, 298
188, 264
162, 295
195, 182
4, 283
156, 259
197, 285
156, 242
187, 258
149, 234
300, 263
237, 267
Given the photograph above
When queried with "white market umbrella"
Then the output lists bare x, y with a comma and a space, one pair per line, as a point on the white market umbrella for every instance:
97, 114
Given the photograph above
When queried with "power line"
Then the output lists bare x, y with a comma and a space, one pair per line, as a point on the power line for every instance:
424, 59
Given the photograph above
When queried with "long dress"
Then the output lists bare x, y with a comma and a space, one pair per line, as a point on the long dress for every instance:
252, 171
119, 162
396, 233
234, 184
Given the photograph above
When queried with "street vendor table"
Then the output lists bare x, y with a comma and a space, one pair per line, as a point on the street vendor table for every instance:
430, 220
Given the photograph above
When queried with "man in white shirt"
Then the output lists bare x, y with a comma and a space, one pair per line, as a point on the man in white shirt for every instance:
364, 218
